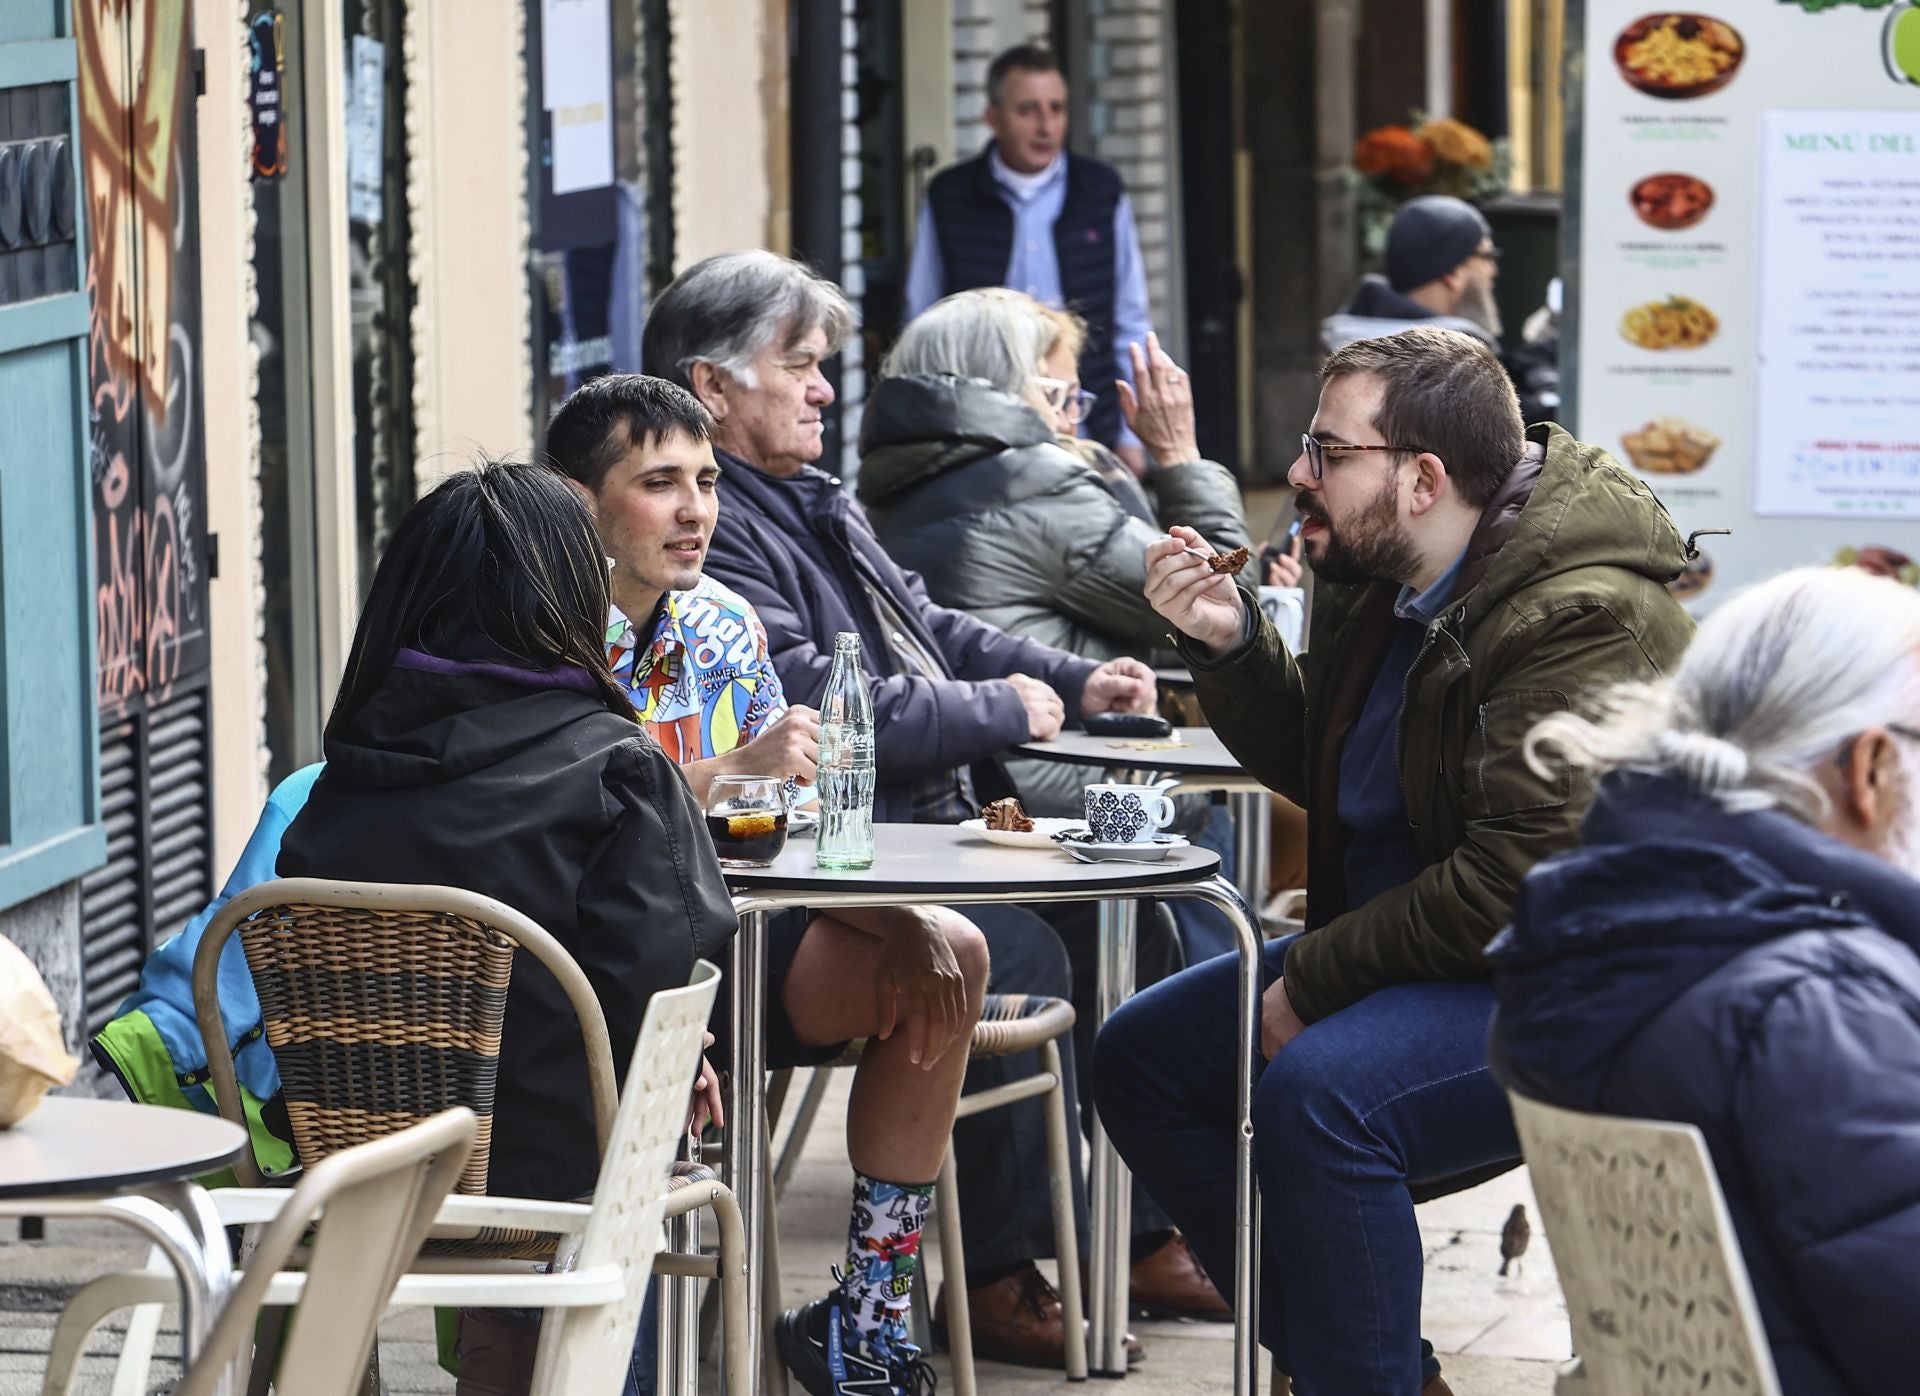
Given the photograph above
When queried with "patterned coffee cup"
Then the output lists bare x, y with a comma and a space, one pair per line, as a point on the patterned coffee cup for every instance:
1127, 813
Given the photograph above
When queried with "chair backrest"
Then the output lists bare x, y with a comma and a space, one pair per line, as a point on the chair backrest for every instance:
587, 1351
373, 1204
1656, 1289
383, 1005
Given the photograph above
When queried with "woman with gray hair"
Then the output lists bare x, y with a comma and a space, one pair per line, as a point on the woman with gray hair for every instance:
1733, 945
962, 475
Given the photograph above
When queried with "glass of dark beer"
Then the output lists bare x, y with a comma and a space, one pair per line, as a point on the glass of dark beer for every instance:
747, 820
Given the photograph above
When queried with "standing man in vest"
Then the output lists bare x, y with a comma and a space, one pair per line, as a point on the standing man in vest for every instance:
1027, 214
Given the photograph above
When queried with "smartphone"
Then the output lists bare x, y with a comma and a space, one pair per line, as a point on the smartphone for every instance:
1127, 725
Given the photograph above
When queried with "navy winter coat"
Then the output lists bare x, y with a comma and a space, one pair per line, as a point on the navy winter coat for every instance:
1755, 978
804, 554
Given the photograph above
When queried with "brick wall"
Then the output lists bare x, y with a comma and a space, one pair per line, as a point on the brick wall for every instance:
1128, 113
981, 29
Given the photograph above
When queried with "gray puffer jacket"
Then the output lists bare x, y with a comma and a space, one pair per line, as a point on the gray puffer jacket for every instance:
966, 485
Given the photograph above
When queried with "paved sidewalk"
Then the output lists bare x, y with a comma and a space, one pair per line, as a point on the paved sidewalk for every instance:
1498, 1337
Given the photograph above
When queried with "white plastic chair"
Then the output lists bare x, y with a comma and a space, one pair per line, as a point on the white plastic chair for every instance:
594, 1295
367, 1208
1656, 1288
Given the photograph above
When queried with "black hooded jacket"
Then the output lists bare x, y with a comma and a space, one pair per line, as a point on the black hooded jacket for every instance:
524, 787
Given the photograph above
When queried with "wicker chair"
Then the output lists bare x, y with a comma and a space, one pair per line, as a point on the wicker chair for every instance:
1009, 1023
592, 1301
384, 1004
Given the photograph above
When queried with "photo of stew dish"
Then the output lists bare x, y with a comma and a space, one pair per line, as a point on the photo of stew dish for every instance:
1671, 202
1674, 323
1678, 55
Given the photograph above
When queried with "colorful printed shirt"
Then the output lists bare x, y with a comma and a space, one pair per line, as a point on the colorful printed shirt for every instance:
702, 684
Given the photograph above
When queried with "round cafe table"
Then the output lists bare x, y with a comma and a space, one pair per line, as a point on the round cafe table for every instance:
1199, 762
132, 1164
931, 864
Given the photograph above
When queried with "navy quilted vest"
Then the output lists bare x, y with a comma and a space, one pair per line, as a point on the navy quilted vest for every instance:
974, 226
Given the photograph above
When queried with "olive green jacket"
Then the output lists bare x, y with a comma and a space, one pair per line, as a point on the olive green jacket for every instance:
1563, 592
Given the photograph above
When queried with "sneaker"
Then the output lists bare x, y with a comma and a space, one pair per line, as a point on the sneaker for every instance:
813, 1343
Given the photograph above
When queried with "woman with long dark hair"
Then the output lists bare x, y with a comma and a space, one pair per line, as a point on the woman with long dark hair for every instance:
479, 741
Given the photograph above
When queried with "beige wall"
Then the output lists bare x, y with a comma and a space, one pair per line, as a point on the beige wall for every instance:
466, 187
729, 128
232, 428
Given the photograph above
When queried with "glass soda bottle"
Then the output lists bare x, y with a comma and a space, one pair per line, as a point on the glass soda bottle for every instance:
846, 762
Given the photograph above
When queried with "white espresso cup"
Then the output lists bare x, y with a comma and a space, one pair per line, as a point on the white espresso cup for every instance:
1127, 813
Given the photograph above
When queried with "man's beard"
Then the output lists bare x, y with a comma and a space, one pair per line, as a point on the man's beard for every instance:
1479, 306
1374, 546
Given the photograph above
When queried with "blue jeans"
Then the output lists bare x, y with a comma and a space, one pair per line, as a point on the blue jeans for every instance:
1391, 1089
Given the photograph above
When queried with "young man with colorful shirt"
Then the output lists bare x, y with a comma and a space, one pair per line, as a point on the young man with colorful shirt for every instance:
909, 979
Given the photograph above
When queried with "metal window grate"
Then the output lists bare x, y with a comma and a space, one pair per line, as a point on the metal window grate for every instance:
156, 801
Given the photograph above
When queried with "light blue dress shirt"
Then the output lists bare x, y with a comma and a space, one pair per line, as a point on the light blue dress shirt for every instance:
1034, 267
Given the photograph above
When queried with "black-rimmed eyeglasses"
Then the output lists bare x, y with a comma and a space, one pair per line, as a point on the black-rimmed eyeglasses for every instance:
1316, 452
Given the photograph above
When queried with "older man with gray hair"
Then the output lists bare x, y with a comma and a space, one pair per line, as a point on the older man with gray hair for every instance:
748, 333
1736, 945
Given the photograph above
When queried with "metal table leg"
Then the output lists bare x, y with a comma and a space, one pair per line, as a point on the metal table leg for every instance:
180, 1220
745, 1148
1246, 1281
1109, 1192
1252, 845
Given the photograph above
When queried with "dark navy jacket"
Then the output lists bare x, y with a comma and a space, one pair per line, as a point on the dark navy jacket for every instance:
1757, 979
804, 554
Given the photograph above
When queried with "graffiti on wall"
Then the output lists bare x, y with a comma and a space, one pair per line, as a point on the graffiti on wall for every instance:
147, 447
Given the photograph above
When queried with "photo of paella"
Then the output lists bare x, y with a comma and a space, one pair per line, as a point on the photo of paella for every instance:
1678, 55
1671, 202
1674, 323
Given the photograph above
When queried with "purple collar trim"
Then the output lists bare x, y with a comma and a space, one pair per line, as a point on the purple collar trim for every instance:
560, 676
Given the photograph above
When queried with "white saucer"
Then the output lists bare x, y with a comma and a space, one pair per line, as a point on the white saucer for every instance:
1040, 836
802, 823
1152, 850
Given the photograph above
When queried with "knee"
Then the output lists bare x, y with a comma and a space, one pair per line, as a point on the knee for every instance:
969, 946
1300, 1113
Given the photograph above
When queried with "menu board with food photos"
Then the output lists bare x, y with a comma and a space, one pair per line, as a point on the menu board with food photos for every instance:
1747, 299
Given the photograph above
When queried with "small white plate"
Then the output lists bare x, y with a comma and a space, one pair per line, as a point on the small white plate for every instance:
1147, 851
1041, 835
802, 823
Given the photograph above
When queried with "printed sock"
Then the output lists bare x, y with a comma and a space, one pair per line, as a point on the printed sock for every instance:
883, 1251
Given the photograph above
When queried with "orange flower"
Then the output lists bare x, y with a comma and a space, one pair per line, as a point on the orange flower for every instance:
1456, 143
1393, 153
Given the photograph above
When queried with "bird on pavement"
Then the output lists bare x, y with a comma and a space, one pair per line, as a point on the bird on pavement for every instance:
1514, 1236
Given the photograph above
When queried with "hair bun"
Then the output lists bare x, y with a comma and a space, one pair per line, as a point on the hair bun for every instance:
1709, 762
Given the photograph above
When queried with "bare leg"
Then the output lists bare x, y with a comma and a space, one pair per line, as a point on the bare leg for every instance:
901, 1113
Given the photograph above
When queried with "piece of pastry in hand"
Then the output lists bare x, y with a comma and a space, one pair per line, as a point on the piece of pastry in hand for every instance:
1230, 563
1007, 815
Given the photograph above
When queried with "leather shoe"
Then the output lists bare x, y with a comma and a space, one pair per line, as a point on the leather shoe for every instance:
1017, 1319
1171, 1284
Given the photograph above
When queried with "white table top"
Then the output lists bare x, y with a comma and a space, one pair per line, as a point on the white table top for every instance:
1189, 751
78, 1146
914, 859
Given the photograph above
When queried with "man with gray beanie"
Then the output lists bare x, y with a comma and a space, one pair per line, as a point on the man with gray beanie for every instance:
1441, 266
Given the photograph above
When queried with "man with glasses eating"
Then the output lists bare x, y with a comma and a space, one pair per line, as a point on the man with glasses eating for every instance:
1475, 576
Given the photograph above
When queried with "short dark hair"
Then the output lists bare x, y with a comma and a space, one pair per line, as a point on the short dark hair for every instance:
1021, 58
583, 442
499, 562
1446, 393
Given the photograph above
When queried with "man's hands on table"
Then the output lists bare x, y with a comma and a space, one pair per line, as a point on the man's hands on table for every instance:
918, 986
1279, 1024
1045, 712
1119, 686
788, 748
1204, 605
